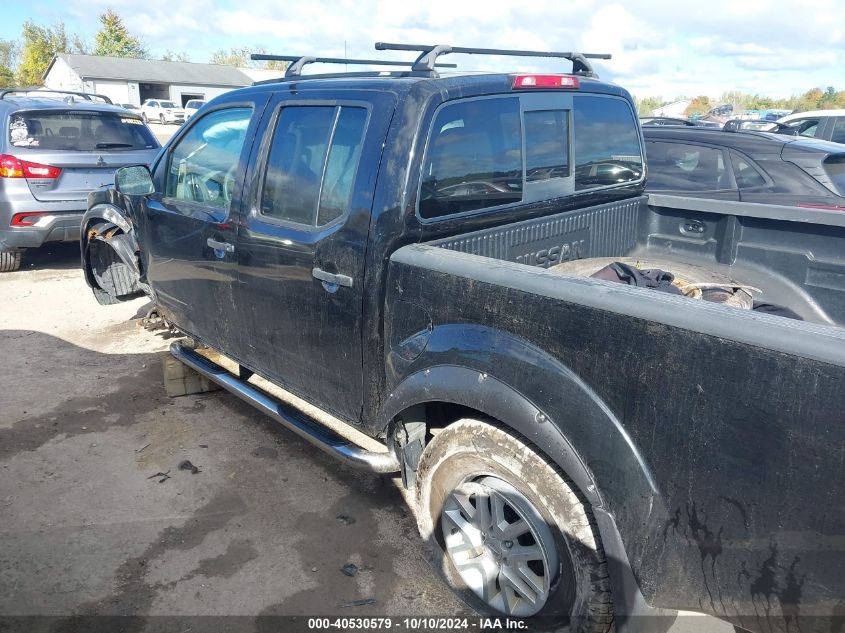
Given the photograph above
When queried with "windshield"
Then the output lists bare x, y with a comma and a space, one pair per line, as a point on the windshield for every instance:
79, 131
167, 104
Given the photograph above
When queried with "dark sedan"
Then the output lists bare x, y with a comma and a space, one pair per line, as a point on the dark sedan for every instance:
746, 165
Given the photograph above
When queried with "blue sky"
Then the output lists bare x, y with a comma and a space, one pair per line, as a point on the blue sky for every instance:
662, 48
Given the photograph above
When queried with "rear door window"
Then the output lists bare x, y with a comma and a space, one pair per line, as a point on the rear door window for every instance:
312, 164
745, 173
838, 134
473, 159
606, 143
805, 127
685, 167
84, 131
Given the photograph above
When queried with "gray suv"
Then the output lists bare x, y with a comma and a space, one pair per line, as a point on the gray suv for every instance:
56, 147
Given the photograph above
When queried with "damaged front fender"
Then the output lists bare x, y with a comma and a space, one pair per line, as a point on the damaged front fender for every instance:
110, 252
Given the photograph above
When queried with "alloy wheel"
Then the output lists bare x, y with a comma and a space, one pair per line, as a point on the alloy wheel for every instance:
500, 546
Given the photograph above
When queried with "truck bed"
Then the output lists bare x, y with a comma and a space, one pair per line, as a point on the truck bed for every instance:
713, 434
795, 256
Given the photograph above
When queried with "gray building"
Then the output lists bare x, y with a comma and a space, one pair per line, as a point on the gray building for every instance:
126, 80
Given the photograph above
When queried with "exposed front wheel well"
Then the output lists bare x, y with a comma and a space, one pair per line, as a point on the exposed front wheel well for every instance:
111, 279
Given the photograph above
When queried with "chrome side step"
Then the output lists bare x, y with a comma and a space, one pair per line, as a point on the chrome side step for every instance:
292, 419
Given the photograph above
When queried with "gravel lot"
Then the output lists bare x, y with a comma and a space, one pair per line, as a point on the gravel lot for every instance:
86, 422
85, 530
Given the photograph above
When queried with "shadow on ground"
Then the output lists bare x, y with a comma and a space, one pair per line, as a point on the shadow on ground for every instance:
52, 256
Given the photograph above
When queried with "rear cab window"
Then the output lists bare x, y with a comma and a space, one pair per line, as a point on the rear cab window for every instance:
80, 130
606, 143
488, 152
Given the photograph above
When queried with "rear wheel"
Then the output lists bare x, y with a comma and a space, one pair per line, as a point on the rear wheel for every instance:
515, 536
10, 261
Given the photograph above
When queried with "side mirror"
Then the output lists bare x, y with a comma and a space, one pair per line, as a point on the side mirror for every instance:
135, 180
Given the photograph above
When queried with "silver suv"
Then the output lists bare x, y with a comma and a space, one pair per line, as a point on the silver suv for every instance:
56, 147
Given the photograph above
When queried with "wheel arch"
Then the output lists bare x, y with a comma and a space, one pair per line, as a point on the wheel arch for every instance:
514, 383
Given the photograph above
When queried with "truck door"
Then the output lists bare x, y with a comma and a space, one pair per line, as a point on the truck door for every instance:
302, 245
188, 227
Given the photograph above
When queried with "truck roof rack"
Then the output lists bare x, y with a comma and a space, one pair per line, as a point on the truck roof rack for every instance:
88, 96
298, 62
430, 52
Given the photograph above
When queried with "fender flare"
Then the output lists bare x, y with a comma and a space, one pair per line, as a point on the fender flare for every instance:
480, 391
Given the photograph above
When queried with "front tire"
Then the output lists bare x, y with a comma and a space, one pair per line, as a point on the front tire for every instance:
10, 261
161, 119
515, 537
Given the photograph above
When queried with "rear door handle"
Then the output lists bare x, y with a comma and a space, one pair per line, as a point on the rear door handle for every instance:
329, 278
220, 246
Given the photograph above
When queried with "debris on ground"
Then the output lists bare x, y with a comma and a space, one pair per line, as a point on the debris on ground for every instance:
164, 476
350, 570
358, 603
138, 450
203, 445
345, 519
187, 465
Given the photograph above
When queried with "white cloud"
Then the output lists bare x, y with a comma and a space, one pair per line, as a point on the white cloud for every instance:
658, 47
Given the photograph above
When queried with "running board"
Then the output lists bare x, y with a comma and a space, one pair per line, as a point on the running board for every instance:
307, 428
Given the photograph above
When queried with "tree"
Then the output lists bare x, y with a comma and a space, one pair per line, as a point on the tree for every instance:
174, 56
647, 105
8, 61
40, 44
239, 57
114, 40
699, 105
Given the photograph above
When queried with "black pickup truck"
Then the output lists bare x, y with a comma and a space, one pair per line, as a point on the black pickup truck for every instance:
414, 254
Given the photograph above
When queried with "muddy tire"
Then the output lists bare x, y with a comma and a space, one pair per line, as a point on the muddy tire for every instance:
10, 261
473, 470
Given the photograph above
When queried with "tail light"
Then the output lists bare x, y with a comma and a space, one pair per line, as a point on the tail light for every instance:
14, 167
545, 81
28, 218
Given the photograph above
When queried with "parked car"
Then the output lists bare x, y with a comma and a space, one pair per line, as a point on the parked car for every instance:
761, 125
665, 120
828, 125
192, 106
131, 107
746, 165
53, 152
162, 111
575, 446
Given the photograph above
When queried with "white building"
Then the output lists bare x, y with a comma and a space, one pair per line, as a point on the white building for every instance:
674, 109
126, 80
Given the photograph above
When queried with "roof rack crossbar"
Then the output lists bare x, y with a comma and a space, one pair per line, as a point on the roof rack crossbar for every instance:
299, 61
430, 52
85, 95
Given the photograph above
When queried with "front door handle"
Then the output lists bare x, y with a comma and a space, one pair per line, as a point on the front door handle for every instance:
329, 278
220, 246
